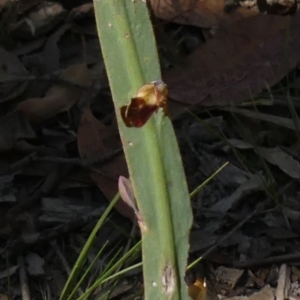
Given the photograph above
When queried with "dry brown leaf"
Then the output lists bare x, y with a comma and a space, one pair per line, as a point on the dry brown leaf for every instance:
238, 62
78, 74
59, 98
39, 21
86, 9
276, 156
202, 13
51, 52
96, 140
19, 6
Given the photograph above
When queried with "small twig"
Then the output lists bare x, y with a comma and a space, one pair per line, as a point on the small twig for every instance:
53, 178
61, 257
228, 235
268, 261
282, 281
19, 164
64, 262
23, 279
231, 232
25, 242
84, 163
54, 77
204, 170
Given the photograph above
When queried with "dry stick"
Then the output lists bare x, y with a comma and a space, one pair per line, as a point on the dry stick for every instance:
84, 163
23, 279
281, 283
54, 177
230, 233
25, 242
197, 155
128, 244
54, 77
64, 262
268, 261
19, 164
226, 236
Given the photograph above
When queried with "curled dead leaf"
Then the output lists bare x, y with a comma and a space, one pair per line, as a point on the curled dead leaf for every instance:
60, 97
96, 140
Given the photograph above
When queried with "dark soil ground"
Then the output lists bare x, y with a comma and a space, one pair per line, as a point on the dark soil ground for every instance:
246, 218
